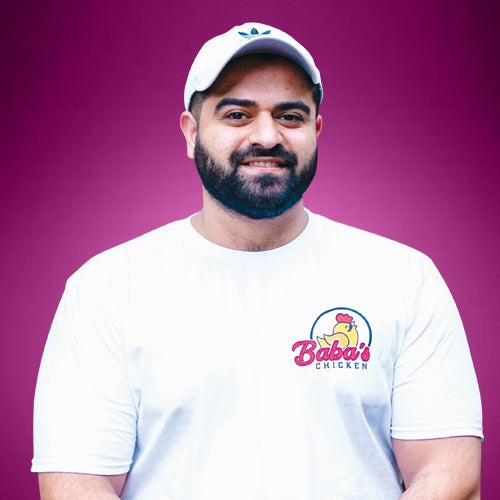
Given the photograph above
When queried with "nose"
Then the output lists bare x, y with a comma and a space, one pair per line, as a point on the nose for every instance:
265, 131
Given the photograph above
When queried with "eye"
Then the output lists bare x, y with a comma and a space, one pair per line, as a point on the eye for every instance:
236, 116
291, 118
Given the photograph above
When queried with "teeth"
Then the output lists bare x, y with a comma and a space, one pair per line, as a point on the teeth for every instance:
263, 164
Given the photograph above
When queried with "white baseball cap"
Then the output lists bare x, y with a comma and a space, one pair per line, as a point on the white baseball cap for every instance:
238, 41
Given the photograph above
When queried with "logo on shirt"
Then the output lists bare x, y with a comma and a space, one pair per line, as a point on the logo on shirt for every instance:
340, 338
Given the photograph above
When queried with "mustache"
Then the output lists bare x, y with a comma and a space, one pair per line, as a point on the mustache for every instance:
277, 151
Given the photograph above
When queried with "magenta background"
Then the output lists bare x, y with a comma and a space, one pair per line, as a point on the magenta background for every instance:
91, 154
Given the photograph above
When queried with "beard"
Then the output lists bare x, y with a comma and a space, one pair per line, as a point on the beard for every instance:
255, 196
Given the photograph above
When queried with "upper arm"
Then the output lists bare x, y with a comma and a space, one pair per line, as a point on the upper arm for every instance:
440, 468
435, 391
84, 411
63, 485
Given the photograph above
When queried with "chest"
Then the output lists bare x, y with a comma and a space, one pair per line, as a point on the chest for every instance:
263, 334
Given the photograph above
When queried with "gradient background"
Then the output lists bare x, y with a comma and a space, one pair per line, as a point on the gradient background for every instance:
92, 155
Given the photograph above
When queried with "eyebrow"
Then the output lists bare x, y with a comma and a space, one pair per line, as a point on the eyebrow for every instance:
230, 101
247, 103
284, 106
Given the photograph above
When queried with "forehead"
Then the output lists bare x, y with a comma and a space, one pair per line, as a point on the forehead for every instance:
262, 73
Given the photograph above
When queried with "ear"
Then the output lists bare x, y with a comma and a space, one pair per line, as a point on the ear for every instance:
319, 125
189, 128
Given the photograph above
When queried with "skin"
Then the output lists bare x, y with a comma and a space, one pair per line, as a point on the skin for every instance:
69, 486
447, 469
276, 94
441, 469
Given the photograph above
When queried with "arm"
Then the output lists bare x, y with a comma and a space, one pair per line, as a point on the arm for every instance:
84, 412
440, 469
66, 486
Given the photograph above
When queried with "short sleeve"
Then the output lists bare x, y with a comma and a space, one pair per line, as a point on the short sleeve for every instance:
85, 415
435, 390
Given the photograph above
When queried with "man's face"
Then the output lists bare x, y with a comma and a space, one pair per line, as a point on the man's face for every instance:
256, 148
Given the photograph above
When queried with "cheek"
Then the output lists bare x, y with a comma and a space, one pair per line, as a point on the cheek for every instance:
221, 143
303, 145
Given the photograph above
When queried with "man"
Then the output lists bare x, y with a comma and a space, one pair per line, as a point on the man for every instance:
257, 350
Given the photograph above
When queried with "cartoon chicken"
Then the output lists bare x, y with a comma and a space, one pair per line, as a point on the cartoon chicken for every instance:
344, 331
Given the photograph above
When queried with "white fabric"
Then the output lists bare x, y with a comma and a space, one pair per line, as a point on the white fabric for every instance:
247, 38
173, 357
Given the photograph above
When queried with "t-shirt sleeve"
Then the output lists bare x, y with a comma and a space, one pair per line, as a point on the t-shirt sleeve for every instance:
85, 414
435, 390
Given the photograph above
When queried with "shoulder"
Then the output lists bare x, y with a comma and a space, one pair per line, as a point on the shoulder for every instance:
146, 252
363, 248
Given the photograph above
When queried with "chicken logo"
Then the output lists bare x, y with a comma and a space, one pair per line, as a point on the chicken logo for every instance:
340, 338
344, 331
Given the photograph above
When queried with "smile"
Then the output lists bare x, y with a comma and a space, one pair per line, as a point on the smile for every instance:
265, 164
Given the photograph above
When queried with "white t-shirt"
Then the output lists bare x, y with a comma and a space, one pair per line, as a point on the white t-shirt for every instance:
209, 373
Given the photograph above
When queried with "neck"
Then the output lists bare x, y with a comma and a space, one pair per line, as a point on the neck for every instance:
229, 229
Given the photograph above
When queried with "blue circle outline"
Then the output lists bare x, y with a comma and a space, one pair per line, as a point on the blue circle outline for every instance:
344, 309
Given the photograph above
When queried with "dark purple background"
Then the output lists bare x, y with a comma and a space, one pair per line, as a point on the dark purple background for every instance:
92, 155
